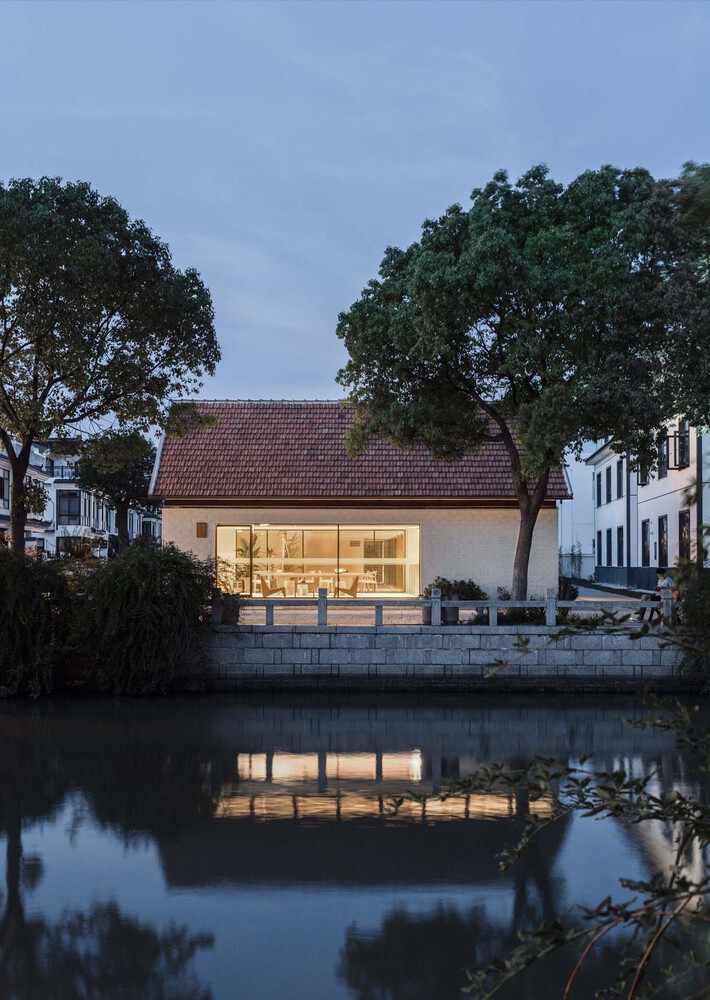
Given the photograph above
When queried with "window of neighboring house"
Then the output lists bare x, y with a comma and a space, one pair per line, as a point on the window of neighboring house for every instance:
599, 548
68, 507
608, 484
663, 541
599, 489
643, 477
620, 546
663, 458
5, 488
608, 547
619, 478
683, 444
684, 534
645, 543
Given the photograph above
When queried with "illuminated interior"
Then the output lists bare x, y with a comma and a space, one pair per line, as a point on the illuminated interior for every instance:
298, 560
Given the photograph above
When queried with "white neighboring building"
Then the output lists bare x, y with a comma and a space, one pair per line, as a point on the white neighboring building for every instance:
71, 514
82, 515
576, 523
39, 529
644, 521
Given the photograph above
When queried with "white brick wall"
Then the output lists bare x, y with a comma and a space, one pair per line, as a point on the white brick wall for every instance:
476, 544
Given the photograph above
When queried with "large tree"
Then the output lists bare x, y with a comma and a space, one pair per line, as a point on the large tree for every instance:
94, 319
537, 317
117, 466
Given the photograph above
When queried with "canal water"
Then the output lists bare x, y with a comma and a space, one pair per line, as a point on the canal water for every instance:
244, 847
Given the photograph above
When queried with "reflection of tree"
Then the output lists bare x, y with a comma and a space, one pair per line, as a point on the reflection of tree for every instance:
101, 954
425, 957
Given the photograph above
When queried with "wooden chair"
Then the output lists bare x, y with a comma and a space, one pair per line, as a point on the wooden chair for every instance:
351, 590
267, 591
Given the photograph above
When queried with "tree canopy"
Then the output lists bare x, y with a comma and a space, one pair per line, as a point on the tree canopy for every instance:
94, 319
538, 317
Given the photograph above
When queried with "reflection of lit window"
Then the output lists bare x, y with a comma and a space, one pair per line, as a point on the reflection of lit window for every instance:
251, 766
342, 807
351, 765
295, 767
402, 766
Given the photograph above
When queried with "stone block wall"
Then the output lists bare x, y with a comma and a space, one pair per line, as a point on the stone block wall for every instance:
425, 658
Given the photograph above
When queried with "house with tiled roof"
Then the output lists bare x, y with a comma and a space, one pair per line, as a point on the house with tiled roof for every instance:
268, 489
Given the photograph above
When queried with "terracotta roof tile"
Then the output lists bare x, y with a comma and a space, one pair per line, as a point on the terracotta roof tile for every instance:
289, 449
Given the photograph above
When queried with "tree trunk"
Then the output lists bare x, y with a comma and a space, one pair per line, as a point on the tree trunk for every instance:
19, 464
528, 520
122, 524
13, 918
529, 505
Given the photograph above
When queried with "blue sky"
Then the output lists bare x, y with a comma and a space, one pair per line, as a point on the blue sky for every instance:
280, 147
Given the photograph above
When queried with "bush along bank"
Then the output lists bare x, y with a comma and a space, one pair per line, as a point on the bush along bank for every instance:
120, 628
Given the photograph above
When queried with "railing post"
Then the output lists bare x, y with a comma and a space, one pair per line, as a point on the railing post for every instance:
493, 616
269, 617
216, 606
378, 614
322, 606
666, 604
436, 606
551, 607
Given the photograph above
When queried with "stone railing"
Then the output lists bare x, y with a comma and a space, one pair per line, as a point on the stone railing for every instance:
225, 607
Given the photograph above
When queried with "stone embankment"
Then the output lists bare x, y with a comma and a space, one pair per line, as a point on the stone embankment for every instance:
422, 657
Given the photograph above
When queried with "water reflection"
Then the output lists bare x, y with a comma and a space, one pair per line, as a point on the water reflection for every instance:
223, 826
100, 952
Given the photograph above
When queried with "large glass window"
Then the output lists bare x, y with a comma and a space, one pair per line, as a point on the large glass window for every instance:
663, 457
684, 534
5, 488
645, 543
683, 444
620, 546
69, 507
298, 560
663, 541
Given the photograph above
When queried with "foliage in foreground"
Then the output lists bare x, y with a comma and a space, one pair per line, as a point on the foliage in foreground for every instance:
34, 601
662, 929
140, 616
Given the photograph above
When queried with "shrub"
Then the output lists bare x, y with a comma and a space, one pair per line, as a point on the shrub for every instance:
141, 614
34, 606
566, 590
696, 621
518, 616
456, 590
